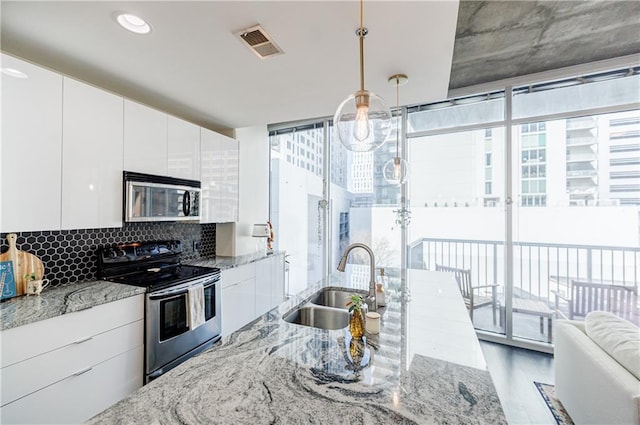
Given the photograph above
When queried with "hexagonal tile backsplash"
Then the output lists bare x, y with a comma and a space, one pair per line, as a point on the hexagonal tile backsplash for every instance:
70, 255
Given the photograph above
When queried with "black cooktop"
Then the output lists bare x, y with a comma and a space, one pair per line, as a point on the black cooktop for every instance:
157, 278
154, 265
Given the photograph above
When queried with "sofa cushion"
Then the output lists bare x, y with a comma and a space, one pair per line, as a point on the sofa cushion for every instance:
617, 337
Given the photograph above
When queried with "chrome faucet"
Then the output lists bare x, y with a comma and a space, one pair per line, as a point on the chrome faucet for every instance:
371, 299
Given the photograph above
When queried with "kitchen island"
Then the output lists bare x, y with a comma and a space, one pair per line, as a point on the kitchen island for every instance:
425, 367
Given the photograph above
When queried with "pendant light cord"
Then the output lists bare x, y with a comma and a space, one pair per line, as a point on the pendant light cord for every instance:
398, 117
361, 36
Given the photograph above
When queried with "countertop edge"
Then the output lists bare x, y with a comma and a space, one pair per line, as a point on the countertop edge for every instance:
61, 300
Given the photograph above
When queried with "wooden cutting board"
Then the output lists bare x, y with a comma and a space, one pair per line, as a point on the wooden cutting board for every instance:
23, 263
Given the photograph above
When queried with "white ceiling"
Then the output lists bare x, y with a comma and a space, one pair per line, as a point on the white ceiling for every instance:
192, 65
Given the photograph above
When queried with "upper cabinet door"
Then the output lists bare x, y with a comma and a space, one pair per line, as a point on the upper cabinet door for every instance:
31, 148
230, 180
92, 156
220, 175
210, 177
145, 139
183, 149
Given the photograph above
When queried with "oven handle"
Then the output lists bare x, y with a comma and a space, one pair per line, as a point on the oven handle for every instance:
181, 289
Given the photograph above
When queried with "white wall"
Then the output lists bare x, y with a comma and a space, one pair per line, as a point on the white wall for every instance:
295, 222
235, 238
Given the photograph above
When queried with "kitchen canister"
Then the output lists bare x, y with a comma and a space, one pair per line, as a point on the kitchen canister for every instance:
372, 324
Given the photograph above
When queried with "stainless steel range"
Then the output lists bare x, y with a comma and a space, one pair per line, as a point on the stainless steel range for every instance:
182, 306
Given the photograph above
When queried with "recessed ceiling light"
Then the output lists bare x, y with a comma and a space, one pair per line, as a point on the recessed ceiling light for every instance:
134, 23
14, 73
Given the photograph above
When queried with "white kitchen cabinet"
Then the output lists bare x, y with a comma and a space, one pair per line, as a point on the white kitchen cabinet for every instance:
31, 160
80, 396
269, 283
220, 176
92, 156
264, 281
183, 149
210, 142
145, 139
278, 276
250, 290
238, 297
72, 366
229, 176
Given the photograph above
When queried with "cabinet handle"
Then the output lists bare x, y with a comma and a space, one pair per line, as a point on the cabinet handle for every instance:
80, 341
82, 371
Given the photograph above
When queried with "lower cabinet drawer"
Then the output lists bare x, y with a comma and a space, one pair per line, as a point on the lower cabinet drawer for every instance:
28, 376
31, 340
81, 396
238, 274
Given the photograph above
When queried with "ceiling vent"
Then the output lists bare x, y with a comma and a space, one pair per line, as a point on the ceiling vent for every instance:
259, 42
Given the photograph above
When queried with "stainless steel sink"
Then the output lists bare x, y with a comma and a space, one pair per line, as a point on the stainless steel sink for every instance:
336, 298
326, 309
319, 317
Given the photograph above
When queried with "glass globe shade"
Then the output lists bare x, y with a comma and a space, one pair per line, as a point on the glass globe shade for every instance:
362, 122
396, 171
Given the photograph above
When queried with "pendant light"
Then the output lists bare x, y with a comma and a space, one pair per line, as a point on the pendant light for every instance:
396, 170
363, 121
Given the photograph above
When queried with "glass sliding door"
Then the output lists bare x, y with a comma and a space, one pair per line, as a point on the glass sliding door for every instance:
568, 217
576, 187
457, 217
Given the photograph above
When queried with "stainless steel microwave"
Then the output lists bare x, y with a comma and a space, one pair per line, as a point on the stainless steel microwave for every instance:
149, 198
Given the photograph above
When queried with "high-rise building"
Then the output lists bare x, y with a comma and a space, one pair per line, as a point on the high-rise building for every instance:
624, 157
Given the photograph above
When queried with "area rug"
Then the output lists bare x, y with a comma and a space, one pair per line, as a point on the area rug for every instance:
548, 393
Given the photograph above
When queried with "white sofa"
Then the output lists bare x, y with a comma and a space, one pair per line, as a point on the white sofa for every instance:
594, 387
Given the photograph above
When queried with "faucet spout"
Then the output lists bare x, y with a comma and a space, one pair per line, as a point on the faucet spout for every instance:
371, 298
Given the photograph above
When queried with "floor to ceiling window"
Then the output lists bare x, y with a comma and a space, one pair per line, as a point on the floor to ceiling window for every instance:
297, 207
555, 203
364, 208
576, 180
527, 190
319, 208
455, 197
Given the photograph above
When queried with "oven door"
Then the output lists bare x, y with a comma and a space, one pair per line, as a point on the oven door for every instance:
169, 340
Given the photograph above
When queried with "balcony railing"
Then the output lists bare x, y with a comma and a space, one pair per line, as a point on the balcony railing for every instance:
539, 268
582, 157
581, 141
581, 173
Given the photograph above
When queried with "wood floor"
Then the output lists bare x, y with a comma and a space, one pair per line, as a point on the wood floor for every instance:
513, 371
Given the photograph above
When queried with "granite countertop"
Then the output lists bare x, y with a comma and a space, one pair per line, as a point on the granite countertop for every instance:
61, 300
78, 296
425, 366
231, 262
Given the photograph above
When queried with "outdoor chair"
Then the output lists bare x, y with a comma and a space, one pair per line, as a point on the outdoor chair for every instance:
472, 299
585, 297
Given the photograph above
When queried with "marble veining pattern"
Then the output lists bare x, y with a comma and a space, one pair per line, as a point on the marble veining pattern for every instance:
272, 371
61, 300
